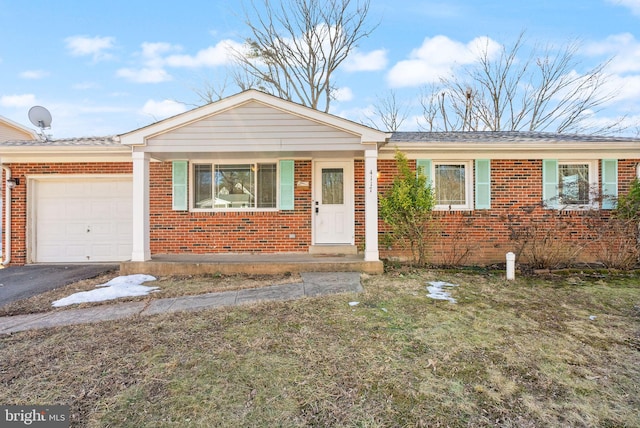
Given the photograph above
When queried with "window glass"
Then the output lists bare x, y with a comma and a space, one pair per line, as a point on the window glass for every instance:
202, 186
332, 186
267, 185
573, 184
450, 184
235, 186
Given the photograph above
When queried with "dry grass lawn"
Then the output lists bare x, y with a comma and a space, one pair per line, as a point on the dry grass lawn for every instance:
516, 354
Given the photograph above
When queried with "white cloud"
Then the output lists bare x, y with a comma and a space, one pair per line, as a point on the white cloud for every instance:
626, 88
372, 61
144, 75
220, 54
152, 53
437, 58
634, 5
623, 47
343, 94
90, 46
25, 100
162, 109
34, 74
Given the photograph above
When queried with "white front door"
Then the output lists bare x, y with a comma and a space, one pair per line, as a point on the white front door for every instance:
333, 202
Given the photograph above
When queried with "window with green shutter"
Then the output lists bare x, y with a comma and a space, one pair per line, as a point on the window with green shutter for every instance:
179, 181
609, 183
424, 166
483, 184
287, 200
550, 183
570, 184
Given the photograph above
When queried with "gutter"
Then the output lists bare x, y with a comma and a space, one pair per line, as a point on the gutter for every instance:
7, 217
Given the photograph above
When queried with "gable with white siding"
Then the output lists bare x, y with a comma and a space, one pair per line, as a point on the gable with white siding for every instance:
256, 126
12, 131
253, 122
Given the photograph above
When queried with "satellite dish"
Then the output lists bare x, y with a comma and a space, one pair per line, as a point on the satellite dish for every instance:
40, 117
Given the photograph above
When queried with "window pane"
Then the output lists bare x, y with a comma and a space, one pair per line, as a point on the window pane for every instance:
574, 183
234, 186
450, 185
332, 186
267, 185
202, 186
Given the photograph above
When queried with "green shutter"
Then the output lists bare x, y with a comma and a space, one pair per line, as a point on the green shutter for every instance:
483, 184
609, 183
550, 183
286, 184
424, 166
179, 182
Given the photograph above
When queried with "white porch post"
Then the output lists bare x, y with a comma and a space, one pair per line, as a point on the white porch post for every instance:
141, 251
371, 205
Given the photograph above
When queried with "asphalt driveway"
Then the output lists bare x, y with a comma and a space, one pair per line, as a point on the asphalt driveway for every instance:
22, 282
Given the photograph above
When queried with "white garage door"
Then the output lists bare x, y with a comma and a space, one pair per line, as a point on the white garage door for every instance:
83, 220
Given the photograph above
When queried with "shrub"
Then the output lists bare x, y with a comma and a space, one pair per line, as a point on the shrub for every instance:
408, 209
546, 240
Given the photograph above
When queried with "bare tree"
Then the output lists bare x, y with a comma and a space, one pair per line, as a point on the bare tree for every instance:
211, 90
540, 92
296, 45
390, 111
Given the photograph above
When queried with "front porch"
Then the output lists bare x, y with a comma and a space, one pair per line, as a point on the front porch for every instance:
259, 264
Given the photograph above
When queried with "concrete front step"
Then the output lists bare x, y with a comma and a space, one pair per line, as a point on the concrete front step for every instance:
263, 264
333, 249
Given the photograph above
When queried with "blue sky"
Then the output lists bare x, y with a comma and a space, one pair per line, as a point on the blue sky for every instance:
108, 67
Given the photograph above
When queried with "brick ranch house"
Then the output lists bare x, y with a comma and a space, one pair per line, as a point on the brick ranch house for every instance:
253, 173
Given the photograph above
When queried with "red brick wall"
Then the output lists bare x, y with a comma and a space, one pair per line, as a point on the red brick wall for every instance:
485, 236
179, 232
516, 191
19, 195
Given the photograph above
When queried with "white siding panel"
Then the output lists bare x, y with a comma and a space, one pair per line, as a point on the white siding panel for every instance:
8, 133
256, 125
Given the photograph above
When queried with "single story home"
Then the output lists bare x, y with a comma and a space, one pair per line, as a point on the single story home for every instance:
253, 173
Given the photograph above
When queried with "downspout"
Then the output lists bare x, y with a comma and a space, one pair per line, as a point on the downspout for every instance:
7, 219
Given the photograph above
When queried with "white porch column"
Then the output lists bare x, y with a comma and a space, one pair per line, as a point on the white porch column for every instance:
141, 251
371, 205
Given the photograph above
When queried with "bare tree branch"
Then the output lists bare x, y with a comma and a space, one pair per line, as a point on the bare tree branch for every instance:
538, 91
390, 111
296, 46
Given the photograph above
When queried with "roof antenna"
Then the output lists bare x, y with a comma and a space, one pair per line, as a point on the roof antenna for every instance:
41, 118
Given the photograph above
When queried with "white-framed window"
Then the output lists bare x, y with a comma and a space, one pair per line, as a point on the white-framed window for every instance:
575, 183
570, 184
452, 185
234, 186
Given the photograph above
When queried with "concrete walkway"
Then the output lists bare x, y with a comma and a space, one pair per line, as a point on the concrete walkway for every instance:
313, 284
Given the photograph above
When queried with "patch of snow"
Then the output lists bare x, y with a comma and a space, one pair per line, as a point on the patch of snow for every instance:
122, 286
437, 291
353, 303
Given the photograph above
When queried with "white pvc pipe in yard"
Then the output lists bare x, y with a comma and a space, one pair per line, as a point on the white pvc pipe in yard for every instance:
511, 266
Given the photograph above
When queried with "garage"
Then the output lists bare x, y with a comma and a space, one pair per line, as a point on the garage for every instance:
81, 219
